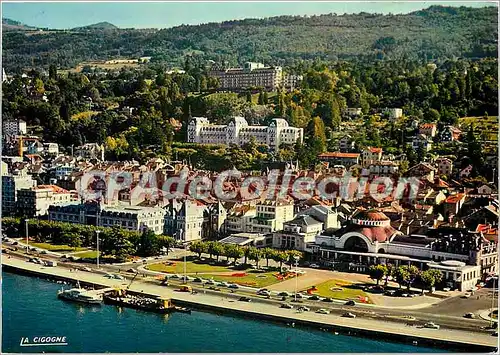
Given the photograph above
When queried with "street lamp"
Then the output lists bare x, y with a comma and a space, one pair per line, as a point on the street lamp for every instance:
97, 237
27, 238
296, 257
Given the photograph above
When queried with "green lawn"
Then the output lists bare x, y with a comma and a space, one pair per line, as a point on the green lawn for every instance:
191, 267
90, 254
339, 290
55, 247
252, 279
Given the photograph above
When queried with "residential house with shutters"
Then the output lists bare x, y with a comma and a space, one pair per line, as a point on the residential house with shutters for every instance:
444, 166
421, 140
428, 129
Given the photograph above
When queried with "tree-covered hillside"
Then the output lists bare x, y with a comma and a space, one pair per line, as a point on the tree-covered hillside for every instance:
435, 33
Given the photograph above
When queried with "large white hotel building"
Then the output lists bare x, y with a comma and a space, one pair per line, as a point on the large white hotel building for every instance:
238, 132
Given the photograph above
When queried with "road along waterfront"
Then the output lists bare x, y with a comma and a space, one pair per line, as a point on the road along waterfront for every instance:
32, 310
451, 339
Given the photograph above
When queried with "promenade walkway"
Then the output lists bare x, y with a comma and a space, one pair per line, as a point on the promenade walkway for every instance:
225, 302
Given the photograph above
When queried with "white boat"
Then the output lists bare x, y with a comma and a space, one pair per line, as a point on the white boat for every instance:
80, 295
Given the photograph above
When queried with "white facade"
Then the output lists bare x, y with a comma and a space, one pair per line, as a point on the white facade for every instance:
297, 233
51, 148
393, 113
291, 81
271, 215
15, 127
444, 166
422, 140
239, 132
239, 219
353, 111
251, 75
458, 273
184, 220
90, 151
35, 201
133, 218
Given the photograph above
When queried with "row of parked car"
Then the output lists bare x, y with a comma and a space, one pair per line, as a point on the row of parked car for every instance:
201, 280
319, 311
42, 262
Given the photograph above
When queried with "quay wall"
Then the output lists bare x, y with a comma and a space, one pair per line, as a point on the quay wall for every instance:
355, 330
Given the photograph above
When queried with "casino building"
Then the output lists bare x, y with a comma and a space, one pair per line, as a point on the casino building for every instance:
463, 256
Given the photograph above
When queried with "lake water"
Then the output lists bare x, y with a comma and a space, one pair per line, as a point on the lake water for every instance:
31, 308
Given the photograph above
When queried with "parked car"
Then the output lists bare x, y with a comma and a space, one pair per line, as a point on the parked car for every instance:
197, 279
314, 298
118, 277
235, 286
15, 243
431, 325
286, 305
86, 269
323, 311
43, 251
390, 293
314, 266
264, 292
210, 282
298, 295
284, 293
175, 276
245, 299
350, 303
470, 315
223, 284
303, 309
349, 315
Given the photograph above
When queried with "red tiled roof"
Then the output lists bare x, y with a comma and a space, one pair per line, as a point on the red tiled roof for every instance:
371, 215
427, 125
455, 198
55, 188
376, 150
380, 234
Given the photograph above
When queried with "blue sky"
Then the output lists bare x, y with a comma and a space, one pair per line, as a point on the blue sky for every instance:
162, 15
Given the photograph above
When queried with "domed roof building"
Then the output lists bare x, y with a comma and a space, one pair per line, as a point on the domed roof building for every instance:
368, 229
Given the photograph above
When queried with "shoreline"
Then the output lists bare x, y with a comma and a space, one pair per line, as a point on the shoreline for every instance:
451, 340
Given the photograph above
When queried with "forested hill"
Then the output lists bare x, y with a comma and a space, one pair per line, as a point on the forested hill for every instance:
435, 33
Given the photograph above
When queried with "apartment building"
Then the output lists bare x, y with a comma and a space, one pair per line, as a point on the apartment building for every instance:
184, 220
371, 155
249, 76
239, 219
133, 218
35, 201
14, 127
11, 184
271, 215
238, 132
